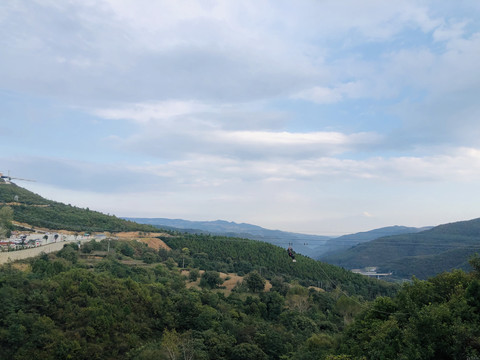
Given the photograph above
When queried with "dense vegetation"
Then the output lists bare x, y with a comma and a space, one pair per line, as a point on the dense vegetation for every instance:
242, 256
304, 244
345, 242
62, 306
132, 302
35, 210
434, 319
135, 304
424, 254
6, 217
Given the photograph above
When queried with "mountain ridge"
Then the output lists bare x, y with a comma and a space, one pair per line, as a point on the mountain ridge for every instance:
38, 211
310, 245
344, 242
303, 243
441, 248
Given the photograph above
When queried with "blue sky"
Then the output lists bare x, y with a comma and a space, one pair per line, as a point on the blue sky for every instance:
324, 117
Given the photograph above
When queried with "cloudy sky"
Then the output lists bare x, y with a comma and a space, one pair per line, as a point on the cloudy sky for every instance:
323, 117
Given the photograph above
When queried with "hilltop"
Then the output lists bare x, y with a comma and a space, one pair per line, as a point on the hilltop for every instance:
33, 209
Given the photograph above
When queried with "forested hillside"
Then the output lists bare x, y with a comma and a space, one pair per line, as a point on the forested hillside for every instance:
35, 210
119, 300
242, 255
135, 304
342, 243
434, 319
423, 254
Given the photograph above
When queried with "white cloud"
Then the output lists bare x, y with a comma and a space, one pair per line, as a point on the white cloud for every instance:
145, 112
448, 32
321, 191
323, 95
202, 94
185, 140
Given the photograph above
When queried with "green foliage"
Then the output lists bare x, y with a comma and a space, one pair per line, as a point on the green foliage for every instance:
475, 264
255, 282
69, 252
63, 309
38, 211
6, 217
193, 275
217, 253
126, 249
68, 307
425, 254
210, 280
246, 351
434, 319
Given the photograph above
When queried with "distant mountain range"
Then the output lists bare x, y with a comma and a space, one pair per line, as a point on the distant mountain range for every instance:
302, 243
405, 251
422, 254
402, 250
342, 243
313, 246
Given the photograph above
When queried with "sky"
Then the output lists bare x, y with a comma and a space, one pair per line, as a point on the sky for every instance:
324, 117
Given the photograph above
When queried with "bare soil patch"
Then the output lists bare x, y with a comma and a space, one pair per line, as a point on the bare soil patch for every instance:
139, 234
149, 238
21, 266
227, 285
155, 243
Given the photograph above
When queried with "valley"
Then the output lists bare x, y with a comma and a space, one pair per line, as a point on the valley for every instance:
110, 294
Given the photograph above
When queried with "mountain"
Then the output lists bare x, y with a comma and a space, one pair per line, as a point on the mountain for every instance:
347, 241
423, 254
313, 246
302, 243
35, 210
208, 297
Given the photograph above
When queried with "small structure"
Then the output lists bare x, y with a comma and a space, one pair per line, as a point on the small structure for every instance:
370, 271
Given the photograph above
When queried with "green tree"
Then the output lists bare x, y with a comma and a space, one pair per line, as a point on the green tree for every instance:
6, 218
246, 351
193, 275
348, 307
255, 282
69, 252
149, 257
171, 344
185, 253
126, 249
275, 304
211, 280
279, 285
475, 264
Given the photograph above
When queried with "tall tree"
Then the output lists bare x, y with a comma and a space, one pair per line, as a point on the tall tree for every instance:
6, 217
255, 282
